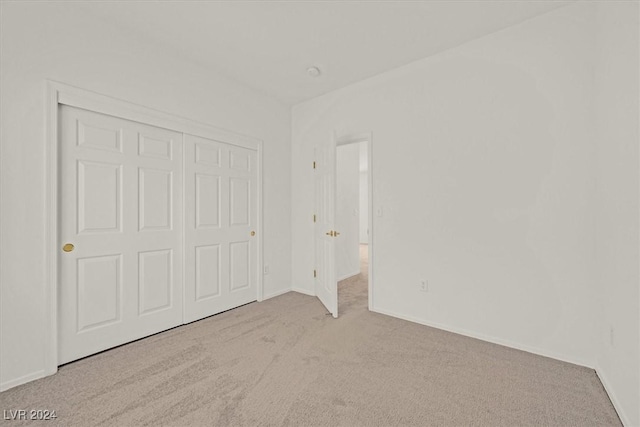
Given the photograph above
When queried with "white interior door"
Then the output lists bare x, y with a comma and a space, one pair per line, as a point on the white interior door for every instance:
221, 201
326, 285
121, 224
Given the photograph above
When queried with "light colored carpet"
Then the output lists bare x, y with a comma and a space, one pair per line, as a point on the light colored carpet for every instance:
285, 362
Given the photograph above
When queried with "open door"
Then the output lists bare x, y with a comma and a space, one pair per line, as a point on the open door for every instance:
326, 285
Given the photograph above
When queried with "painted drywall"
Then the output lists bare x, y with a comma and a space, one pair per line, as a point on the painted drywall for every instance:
483, 185
617, 208
364, 194
347, 215
46, 40
363, 208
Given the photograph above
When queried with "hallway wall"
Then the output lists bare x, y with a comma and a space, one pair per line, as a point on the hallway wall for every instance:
347, 215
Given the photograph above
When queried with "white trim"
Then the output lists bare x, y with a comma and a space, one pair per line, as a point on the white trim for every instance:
303, 291
59, 93
259, 226
482, 337
370, 225
50, 346
613, 397
276, 294
22, 380
347, 276
368, 138
80, 98
184, 237
334, 192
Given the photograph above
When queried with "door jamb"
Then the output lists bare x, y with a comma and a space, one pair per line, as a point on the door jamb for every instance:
368, 138
62, 94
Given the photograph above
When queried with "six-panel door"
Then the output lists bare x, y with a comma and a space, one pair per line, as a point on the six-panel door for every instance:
121, 206
220, 250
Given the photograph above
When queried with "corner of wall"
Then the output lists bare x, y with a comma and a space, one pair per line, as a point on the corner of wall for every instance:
613, 397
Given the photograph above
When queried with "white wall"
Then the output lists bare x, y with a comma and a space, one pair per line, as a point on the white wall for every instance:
617, 238
347, 205
483, 167
43, 40
507, 172
364, 193
364, 208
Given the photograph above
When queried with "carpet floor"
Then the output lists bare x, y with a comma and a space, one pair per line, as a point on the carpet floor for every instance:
285, 362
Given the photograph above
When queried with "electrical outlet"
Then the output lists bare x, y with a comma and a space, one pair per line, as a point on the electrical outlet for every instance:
266, 269
424, 286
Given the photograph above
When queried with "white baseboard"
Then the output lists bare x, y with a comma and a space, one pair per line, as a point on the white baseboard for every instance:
303, 291
490, 339
22, 380
276, 294
603, 378
612, 396
345, 277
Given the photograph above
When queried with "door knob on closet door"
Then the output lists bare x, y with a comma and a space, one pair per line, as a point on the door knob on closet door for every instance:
330, 233
68, 247
253, 233
336, 234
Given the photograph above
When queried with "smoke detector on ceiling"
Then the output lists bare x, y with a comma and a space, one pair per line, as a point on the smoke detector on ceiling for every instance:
313, 71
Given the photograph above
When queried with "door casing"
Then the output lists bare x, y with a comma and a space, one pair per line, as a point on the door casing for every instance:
60, 93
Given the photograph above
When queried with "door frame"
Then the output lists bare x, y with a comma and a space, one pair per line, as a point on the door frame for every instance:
62, 94
355, 138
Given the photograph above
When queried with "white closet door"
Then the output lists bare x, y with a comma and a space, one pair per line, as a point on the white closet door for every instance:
220, 224
121, 209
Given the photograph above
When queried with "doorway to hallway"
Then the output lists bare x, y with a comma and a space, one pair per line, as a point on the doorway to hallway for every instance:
352, 220
353, 291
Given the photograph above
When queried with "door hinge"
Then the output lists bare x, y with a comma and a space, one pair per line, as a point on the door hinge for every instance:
314, 217
314, 164
315, 273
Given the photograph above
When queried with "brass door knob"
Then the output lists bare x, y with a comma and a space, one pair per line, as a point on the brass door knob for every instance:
68, 247
253, 233
330, 233
336, 234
